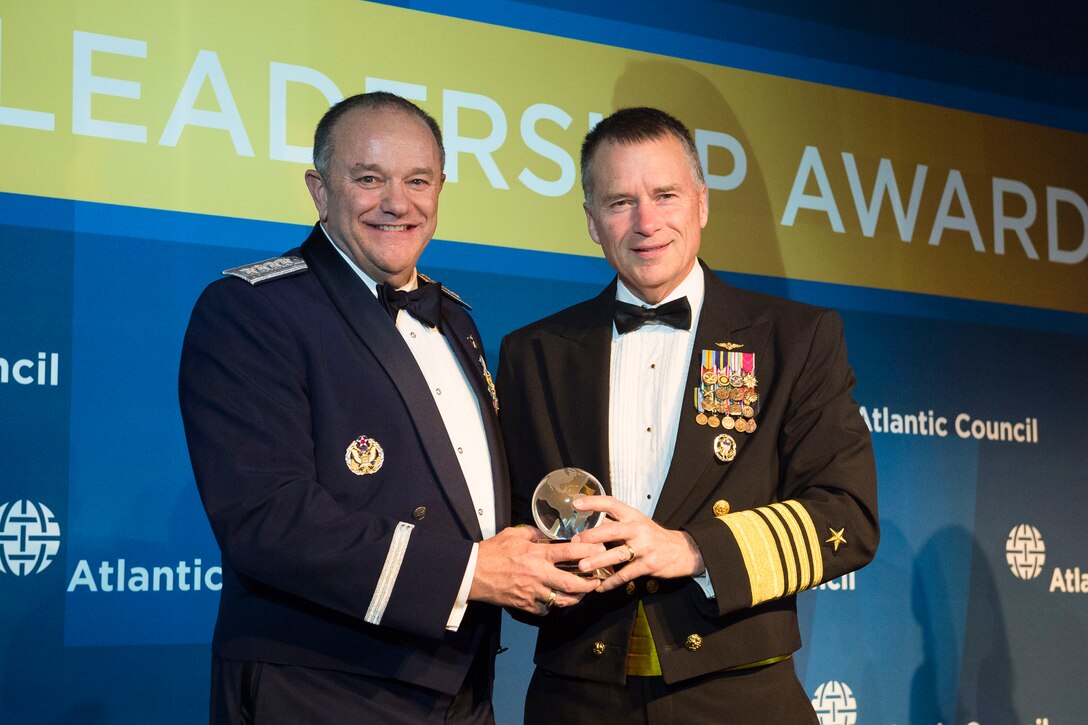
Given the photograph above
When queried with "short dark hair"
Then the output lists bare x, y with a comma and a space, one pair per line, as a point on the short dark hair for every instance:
376, 100
635, 125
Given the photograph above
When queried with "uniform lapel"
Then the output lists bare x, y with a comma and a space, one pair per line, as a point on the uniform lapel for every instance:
371, 323
464, 338
576, 367
695, 470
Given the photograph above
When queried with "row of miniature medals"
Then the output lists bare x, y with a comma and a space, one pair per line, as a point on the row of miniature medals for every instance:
727, 389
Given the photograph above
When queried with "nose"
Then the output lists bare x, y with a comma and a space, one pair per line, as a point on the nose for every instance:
394, 199
647, 219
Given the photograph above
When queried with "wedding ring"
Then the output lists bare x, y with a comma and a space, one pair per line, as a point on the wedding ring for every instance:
631, 552
551, 600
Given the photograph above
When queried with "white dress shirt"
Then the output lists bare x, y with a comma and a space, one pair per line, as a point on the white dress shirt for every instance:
646, 396
460, 411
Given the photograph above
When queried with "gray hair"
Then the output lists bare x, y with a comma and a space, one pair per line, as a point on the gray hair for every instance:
629, 126
378, 100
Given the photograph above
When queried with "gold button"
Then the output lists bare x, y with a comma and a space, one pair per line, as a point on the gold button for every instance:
419, 513
694, 642
598, 648
721, 507
630, 587
651, 586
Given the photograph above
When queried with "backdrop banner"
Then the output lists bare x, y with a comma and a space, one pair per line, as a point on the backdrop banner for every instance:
145, 147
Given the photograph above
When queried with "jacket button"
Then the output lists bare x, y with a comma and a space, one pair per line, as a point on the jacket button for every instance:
630, 587
721, 507
651, 586
598, 648
419, 513
693, 642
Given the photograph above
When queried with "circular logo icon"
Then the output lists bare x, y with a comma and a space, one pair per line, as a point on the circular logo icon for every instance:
1025, 551
29, 537
835, 704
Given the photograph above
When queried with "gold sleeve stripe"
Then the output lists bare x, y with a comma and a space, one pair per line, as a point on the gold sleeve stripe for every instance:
813, 542
760, 553
799, 554
780, 549
786, 552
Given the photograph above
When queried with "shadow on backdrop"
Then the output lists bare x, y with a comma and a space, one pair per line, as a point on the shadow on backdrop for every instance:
949, 686
734, 214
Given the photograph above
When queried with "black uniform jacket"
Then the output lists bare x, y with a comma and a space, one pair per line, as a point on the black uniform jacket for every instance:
806, 471
323, 567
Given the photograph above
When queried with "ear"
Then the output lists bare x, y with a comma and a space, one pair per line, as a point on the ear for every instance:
591, 223
316, 185
704, 207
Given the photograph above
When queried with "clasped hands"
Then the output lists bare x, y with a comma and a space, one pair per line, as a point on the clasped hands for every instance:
513, 571
641, 545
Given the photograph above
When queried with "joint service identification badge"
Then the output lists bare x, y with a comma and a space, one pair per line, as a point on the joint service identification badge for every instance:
364, 456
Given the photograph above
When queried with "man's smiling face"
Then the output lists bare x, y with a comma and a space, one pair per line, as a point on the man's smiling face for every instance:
647, 212
380, 200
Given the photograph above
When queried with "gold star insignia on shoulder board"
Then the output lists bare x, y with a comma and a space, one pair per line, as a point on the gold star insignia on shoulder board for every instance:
729, 345
836, 539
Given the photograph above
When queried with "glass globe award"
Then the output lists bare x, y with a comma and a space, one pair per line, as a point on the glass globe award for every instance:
553, 503
555, 515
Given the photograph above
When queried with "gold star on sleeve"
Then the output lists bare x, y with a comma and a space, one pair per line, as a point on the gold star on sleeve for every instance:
836, 539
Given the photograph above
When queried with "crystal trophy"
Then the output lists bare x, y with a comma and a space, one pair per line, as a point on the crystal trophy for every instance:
555, 515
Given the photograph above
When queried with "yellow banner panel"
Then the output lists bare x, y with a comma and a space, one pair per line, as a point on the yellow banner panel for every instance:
209, 107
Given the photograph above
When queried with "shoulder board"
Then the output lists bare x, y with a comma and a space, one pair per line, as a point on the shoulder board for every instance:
446, 291
263, 271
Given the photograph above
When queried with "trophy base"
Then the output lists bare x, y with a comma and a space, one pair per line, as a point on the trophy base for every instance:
572, 567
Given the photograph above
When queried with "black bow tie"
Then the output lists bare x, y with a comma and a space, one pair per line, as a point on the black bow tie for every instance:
423, 303
631, 317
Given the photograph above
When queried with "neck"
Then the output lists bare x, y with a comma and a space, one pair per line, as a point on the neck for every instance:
657, 294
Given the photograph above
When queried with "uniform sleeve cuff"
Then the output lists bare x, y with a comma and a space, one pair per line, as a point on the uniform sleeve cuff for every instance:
703, 580
460, 605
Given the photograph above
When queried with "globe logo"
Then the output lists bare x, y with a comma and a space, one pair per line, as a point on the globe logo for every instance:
835, 704
29, 537
1025, 551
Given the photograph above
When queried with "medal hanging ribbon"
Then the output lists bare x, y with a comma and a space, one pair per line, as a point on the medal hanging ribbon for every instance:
727, 387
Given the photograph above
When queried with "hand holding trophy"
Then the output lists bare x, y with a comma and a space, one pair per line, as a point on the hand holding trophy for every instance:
556, 517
